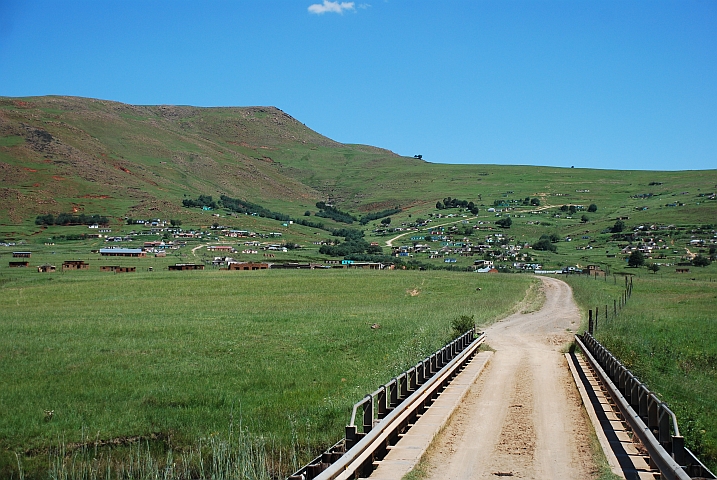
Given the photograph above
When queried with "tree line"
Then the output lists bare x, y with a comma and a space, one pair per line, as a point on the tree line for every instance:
71, 219
449, 202
329, 211
382, 214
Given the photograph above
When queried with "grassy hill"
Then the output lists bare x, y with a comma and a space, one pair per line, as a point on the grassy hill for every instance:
58, 153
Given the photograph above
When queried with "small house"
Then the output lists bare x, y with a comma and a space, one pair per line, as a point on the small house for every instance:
248, 266
220, 248
122, 252
21, 254
185, 266
19, 264
75, 265
46, 268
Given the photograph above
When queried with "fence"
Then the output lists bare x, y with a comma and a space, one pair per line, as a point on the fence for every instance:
617, 305
415, 389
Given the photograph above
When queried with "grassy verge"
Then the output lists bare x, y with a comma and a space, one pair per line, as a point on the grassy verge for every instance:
170, 358
666, 335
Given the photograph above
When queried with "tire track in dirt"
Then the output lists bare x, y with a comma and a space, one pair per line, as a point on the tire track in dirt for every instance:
523, 417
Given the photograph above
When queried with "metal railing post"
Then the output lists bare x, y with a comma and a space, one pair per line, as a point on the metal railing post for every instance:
368, 414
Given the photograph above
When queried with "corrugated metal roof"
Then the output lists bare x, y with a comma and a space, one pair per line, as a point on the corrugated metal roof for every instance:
120, 250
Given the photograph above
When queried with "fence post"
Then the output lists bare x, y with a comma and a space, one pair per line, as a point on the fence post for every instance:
368, 414
350, 436
590, 322
614, 306
596, 318
393, 392
381, 400
606, 312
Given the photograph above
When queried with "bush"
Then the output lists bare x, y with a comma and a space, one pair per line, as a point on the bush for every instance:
504, 222
592, 208
618, 227
701, 261
462, 324
545, 244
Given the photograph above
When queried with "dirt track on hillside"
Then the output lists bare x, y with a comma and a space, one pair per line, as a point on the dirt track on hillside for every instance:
523, 417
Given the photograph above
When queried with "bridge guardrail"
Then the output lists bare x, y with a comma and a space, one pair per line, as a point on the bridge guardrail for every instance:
389, 411
650, 419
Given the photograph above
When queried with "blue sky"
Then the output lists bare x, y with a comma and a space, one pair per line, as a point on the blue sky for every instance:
598, 84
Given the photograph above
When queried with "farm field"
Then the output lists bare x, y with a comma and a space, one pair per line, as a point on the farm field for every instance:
666, 335
174, 357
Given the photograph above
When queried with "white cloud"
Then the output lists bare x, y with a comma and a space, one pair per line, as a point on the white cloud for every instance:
331, 7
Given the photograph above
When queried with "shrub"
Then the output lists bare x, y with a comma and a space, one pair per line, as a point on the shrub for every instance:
504, 222
462, 324
618, 227
545, 244
592, 208
701, 261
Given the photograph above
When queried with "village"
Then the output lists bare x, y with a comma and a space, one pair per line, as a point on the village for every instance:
477, 245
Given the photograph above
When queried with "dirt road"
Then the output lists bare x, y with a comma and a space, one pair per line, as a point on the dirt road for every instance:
523, 417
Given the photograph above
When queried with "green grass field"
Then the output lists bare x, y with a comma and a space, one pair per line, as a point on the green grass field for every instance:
177, 355
666, 335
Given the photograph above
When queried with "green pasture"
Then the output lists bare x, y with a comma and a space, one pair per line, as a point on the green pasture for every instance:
667, 335
179, 356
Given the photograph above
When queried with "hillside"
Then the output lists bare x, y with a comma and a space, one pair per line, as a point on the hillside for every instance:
60, 153
67, 154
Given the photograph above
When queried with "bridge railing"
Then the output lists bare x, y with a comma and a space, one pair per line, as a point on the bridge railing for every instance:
650, 419
389, 410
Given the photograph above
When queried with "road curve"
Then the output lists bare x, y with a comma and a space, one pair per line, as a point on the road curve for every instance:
523, 417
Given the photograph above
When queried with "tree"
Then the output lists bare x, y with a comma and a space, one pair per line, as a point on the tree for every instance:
584, 219
618, 227
535, 202
439, 205
653, 267
386, 221
572, 209
307, 213
504, 222
636, 259
545, 244
701, 261
175, 223
592, 208
374, 250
